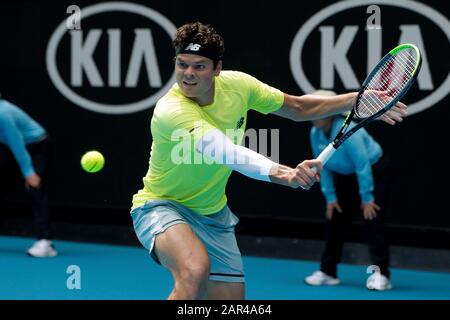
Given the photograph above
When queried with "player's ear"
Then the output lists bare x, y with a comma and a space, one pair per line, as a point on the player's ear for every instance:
218, 68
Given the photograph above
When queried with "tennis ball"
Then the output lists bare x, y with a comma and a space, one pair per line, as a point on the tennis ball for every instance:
92, 161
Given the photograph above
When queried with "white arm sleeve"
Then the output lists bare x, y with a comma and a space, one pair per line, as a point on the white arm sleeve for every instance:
218, 148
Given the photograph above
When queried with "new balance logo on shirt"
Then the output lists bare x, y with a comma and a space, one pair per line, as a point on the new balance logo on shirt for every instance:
240, 123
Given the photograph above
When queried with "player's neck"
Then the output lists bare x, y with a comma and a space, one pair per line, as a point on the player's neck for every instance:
207, 98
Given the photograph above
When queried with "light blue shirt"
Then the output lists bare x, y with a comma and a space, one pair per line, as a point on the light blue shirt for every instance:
17, 129
356, 155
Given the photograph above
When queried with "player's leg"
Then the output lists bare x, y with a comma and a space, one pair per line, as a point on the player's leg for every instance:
226, 279
180, 251
196, 249
219, 290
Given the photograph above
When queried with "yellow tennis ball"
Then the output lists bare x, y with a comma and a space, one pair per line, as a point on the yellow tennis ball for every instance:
92, 161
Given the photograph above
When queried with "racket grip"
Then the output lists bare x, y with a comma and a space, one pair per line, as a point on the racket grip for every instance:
325, 155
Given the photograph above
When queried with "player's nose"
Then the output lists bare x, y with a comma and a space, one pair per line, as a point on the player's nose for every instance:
189, 72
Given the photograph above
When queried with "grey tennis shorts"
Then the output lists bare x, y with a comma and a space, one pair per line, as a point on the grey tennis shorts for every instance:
216, 231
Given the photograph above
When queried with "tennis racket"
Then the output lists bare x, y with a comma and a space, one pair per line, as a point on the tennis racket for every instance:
386, 84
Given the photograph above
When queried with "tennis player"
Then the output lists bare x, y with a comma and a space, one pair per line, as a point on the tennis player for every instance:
181, 214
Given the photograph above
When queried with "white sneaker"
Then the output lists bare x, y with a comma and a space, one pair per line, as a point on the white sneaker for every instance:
379, 282
42, 248
320, 278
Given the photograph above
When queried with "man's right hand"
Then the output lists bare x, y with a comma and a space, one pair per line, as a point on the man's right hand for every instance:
304, 176
300, 176
33, 181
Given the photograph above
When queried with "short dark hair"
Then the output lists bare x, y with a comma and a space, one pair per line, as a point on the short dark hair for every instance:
202, 34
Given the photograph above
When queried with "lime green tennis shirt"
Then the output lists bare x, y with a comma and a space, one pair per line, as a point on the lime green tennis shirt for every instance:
177, 171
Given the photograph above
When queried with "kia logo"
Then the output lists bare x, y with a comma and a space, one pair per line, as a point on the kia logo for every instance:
113, 72
335, 45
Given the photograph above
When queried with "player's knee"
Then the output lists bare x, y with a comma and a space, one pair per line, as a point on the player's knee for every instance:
195, 274
197, 271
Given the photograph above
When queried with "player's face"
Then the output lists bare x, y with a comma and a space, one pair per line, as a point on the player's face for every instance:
195, 77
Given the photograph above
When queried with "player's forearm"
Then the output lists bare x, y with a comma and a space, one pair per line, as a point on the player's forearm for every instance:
322, 106
252, 164
218, 148
281, 174
310, 107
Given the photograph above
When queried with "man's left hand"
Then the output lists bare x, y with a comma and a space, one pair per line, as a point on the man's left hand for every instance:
370, 210
396, 114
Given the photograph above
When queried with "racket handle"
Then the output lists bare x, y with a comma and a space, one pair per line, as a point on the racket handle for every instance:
325, 155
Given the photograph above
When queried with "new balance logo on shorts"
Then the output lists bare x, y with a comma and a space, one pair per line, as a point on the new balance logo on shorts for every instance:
193, 47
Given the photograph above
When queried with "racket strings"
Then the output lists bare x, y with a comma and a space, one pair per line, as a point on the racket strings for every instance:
387, 83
